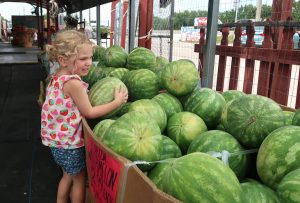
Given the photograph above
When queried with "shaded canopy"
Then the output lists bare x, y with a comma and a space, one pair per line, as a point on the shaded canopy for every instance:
70, 6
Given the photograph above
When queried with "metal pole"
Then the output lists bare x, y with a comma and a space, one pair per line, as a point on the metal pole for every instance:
80, 16
171, 30
132, 27
0, 28
258, 10
98, 25
236, 9
210, 48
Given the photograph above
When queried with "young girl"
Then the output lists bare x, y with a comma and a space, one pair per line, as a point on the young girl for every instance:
65, 104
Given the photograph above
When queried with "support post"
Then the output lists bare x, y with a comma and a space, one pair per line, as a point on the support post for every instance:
171, 30
210, 49
131, 25
124, 22
98, 24
112, 23
145, 23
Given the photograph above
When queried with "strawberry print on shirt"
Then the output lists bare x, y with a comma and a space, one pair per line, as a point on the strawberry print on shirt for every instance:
61, 121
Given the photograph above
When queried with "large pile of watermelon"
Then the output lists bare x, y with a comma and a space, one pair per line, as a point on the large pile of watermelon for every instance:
200, 145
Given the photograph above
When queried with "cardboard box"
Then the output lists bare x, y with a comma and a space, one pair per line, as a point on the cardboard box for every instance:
113, 178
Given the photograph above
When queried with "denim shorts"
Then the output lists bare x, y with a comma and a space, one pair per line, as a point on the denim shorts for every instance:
71, 160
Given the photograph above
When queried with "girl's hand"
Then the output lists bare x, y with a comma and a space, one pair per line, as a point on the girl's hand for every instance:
121, 95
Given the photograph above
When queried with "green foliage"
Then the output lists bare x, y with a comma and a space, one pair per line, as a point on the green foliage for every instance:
71, 21
266, 11
296, 10
186, 18
247, 12
227, 16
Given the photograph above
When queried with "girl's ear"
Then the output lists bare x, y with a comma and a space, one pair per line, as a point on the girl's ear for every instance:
62, 60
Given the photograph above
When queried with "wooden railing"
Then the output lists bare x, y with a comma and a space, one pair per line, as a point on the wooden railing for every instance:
276, 59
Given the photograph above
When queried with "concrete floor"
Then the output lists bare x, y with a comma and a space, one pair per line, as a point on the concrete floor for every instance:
28, 172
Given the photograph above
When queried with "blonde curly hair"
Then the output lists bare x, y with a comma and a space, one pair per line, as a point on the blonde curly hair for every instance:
67, 44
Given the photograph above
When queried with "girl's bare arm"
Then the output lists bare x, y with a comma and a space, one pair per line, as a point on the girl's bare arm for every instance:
74, 89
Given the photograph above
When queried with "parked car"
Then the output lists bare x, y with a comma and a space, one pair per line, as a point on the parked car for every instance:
258, 36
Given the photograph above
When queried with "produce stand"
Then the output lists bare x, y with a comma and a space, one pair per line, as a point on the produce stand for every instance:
22, 36
113, 178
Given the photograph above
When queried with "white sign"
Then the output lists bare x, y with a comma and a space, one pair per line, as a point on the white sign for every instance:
190, 34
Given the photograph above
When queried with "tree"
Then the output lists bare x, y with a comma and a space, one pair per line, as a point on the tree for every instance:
247, 12
296, 10
266, 12
227, 16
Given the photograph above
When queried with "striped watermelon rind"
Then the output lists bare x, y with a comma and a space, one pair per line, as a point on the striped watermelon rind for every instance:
206, 103
95, 73
288, 117
251, 118
135, 136
296, 118
170, 149
141, 58
217, 141
197, 177
232, 94
184, 127
115, 56
278, 155
142, 84
118, 73
102, 92
169, 103
180, 77
151, 108
100, 129
98, 54
289, 187
255, 192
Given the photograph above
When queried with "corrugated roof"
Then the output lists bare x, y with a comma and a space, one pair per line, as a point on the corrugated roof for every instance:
70, 6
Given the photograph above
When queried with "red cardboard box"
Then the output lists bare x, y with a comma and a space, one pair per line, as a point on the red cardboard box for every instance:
113, 178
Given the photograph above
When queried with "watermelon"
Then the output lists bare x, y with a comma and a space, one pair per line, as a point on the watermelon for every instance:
288, 117
99, 54
224, 115
152, 109
141, 58
118, 73
184, 127
296, 118
158, 74
107, 70
289, 187
278, 155
255, 192
95, 73
124, 109
206, 103
142, 84
217, 141
251, 118
160, 64
169, 103
232, 94
197, 177
102, 92
180, 77
170, 149
135, 136
100, 129
115, 56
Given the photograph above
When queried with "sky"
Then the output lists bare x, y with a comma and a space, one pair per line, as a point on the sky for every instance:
9, 8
